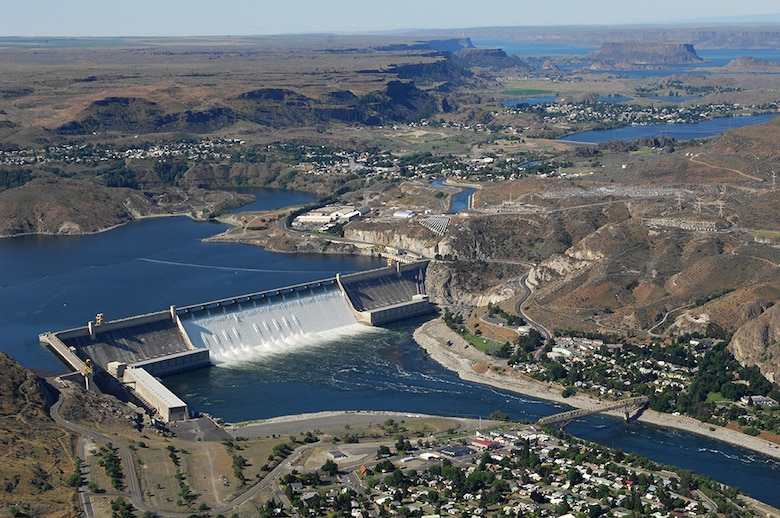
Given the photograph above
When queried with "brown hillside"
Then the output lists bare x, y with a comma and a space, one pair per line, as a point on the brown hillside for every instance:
37, 455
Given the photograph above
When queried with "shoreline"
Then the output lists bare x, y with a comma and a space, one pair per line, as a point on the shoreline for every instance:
473, 365
102, 230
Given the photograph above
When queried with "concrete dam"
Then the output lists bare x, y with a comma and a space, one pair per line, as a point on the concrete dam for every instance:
138, 350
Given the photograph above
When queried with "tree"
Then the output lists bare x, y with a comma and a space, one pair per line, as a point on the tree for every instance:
498, 415
575, 477
383, 452
330, 467
121, 508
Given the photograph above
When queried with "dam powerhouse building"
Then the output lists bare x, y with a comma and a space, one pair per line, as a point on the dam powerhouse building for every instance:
139, 350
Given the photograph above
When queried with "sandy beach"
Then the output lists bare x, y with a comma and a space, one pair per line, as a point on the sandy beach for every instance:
473, 365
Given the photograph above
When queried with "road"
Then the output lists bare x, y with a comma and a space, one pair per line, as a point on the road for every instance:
133, 490
528, 293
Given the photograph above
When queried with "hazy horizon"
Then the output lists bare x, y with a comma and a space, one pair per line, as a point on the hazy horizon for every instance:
193, 18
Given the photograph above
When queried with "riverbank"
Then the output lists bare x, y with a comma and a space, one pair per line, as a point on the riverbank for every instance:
343, 420
473, 365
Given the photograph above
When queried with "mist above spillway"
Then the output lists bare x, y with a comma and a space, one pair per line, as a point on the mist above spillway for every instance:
277, 325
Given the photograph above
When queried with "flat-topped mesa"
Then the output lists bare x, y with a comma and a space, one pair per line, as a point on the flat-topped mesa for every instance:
647, 53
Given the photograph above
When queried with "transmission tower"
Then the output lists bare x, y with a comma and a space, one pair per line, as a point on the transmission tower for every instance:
698, 205
720, 204
774, 180
679, 200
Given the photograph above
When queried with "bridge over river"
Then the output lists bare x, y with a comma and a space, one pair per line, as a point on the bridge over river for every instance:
630, 408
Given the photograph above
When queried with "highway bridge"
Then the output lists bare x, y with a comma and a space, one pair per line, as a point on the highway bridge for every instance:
630, 408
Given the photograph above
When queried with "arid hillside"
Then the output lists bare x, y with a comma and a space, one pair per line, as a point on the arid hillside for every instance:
38, 456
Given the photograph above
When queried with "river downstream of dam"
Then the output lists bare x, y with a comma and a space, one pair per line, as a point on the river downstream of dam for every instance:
51, 283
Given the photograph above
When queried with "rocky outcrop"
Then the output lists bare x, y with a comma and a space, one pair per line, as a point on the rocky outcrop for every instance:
758, 343
561, 266
495, 59
467, 284
413, 238
646, 53
752, 65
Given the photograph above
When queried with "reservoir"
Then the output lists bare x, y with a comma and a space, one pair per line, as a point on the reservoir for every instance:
683, 131
51, 283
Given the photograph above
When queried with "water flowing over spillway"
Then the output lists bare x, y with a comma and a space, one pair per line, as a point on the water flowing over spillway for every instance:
272, 325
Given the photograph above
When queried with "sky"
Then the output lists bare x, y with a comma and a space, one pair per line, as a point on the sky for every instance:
97, 18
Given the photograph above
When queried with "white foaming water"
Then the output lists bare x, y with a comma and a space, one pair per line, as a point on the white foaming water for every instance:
272, 326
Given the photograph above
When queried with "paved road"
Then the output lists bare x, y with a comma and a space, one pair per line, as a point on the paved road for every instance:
133, 491
519, 309
282, 427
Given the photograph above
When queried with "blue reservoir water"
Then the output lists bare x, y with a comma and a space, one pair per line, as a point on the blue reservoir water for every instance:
50, 283
55, 283
460, 201
713, 58
534, 49
270, 199
685, 131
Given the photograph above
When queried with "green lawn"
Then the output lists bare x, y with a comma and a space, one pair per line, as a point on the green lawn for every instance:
480, 343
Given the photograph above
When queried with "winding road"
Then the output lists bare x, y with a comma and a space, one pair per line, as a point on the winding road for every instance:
528, 293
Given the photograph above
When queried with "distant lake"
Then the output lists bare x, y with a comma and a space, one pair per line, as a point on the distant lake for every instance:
685, 131
534, 49
672, 99
712, 57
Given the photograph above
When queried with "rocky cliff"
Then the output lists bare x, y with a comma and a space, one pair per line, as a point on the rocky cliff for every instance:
495, 59
471, 283
409, 236
758, 343
752, 65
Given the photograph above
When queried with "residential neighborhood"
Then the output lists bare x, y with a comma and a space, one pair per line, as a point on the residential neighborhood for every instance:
512, 470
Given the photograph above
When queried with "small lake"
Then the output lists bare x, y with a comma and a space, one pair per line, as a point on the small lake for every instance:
684, 131
270, 199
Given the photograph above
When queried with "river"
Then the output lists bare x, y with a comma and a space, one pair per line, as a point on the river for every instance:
52, 283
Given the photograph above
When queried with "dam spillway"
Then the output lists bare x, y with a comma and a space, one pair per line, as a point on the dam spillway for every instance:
135, 350
269, 325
